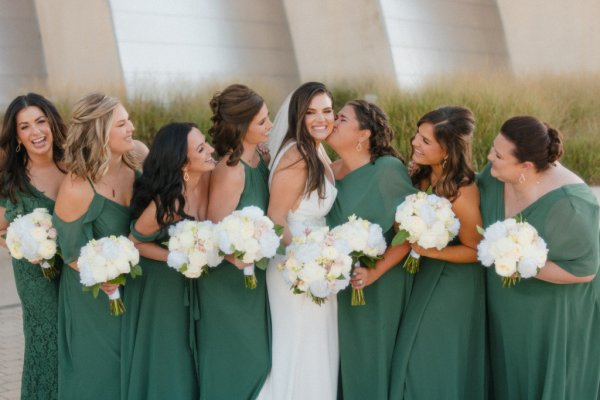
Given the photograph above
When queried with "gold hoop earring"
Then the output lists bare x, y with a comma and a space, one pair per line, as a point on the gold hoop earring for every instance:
186, 177
522, 178
359, 146
18, 149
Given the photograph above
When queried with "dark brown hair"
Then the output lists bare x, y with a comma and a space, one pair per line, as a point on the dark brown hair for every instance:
13, 164
233, 110
453, 127
534, 141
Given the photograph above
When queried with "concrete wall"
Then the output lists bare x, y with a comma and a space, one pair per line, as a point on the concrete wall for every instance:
21, 62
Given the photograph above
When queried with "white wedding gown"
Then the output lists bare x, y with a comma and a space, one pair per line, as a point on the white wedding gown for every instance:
305, 335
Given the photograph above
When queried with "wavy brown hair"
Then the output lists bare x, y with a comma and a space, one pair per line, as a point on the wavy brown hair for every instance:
453, 127
233, 110
87, 153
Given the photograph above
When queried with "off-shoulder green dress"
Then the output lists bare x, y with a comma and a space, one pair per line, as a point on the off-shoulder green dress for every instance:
89, 337
367, 334
161, 362
233, 332
544, 336
39, 302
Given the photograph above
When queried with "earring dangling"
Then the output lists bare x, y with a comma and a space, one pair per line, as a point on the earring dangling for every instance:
521, 178
359, 146
18, 149
186, 177
444, 163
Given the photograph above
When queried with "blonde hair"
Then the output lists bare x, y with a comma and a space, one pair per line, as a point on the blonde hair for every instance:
87, 153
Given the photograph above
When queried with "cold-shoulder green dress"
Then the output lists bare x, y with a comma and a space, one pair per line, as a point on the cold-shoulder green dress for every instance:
89, 337
39, 302
161, 362
544, 336
233, 332
367, 334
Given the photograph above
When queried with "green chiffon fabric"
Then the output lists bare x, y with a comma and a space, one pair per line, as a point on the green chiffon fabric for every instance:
39, 302
89, 337
543, 336
367, 334
162, 364
233, 332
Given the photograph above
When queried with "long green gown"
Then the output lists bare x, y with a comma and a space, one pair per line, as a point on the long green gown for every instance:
543, 336
367, 334
89, 337
162, 364
441, 349
39, 302
233, 330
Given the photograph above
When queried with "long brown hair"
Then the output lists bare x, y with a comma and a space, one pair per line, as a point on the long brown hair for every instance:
453, 127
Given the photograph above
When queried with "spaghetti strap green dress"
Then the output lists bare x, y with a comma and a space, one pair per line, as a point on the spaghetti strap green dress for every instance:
89, 337
441, 348
544, 336
161, 362
233, 332
39, 302
367, 334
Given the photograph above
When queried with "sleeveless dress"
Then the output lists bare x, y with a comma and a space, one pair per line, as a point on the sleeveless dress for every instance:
162, 364
544, 336
39, 302
233, 329
305, 342
367, 334
89, 337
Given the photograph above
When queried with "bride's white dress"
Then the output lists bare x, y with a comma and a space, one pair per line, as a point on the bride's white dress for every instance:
305, 336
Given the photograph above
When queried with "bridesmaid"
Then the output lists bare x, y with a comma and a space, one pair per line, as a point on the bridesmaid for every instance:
31, 171
371, 181
544, 330
440, 350
93, 202
173, 186
233, 329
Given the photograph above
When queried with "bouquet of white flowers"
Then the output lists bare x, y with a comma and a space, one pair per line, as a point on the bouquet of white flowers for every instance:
107, 260
315, 266
251, 237
427, 220
33, 237
514, 247
193, 248
365, 243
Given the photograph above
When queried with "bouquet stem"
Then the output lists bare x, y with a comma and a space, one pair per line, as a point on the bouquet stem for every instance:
50, 271
508, 281
115, 303
249, 277
358, 297
411, 265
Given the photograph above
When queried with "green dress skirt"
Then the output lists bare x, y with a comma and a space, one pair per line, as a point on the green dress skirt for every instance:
367, 334
544, 336
161, 363
89, 337
441, 349
233, 332
39, 302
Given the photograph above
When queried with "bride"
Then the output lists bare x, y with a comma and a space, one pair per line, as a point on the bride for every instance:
305, 342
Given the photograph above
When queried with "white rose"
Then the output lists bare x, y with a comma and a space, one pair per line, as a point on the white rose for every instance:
47, 249
176, 259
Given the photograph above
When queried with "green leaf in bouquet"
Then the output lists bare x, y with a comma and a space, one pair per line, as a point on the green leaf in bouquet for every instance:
400, 237
221, 253
262, 263
239, 254
119, 280
136, 271
369, 262
183, 268
165, 243
281, 250
519, 218
278, 229
480, 230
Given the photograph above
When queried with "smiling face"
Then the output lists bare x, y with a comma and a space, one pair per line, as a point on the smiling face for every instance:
319, 118
505, 166
426, 149
120, 139
346, 131
33, 131
259, 127
199, 153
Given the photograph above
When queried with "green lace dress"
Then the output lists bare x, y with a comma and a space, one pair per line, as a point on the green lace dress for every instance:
367, 334
544, 336
161, 362
39, 302
233, 332
89, 337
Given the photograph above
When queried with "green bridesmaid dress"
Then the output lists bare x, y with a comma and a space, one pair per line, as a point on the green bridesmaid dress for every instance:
441, 348
544, 336
89, 337
161, 363
233, 330
39, 302
367, 334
